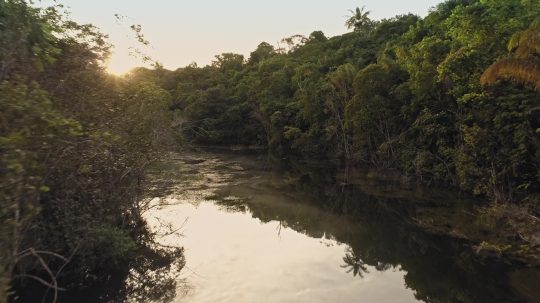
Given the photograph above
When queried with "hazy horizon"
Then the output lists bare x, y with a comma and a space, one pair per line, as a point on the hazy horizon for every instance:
182, 32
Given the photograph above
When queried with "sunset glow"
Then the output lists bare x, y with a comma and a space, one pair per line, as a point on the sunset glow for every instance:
182, 32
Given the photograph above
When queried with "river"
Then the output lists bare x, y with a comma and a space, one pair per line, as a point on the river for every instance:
257, 231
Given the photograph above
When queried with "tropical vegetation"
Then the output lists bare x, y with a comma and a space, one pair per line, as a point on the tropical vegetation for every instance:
450, 99
74, 143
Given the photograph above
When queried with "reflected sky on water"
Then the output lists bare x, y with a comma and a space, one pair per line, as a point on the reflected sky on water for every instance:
233, 257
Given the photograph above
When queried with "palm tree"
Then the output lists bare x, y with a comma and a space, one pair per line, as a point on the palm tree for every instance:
359, 19
523, 65
354, 264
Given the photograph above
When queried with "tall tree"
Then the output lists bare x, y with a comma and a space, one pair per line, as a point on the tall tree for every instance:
359, 19
342, 81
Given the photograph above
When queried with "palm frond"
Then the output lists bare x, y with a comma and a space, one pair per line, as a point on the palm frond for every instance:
524, 71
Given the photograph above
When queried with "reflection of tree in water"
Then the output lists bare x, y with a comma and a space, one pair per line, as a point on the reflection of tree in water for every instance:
374, 221
354, 264
154, 277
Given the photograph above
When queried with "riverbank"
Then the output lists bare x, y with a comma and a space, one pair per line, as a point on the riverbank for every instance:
264, 223
239, 211
499, 231
495, 231
492, 230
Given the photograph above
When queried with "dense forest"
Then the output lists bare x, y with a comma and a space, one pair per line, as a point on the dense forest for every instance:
451, 99
74, 142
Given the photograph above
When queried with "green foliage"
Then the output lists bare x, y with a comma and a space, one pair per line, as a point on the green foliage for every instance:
374, 113
401, 93
524, 65
74, 143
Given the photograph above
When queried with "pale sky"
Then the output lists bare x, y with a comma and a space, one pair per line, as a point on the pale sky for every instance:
185, 31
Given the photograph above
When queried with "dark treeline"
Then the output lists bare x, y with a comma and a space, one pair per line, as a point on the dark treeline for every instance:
403, 93
74, 142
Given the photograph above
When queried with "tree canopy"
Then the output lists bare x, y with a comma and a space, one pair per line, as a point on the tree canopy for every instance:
401, 93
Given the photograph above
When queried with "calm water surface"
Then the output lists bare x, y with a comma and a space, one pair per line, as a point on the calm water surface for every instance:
256, 232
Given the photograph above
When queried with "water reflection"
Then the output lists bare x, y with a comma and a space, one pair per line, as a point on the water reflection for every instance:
355, 265
261, 233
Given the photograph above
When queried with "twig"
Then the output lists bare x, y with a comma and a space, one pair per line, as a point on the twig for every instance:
40, 280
